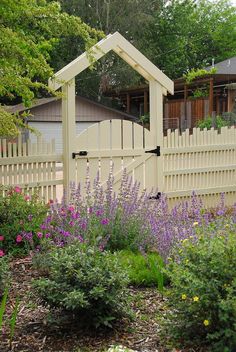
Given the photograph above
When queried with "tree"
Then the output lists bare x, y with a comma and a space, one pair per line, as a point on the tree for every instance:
129, 18
188, 34
29, 31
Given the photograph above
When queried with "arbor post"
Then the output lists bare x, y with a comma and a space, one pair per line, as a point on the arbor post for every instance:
68, 135
156, 126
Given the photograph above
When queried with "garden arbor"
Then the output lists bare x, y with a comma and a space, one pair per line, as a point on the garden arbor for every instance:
123, 142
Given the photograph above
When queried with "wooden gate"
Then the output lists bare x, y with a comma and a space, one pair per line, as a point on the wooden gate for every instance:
116, 145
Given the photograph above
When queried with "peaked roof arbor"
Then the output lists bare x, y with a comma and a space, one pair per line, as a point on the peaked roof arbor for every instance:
159, 85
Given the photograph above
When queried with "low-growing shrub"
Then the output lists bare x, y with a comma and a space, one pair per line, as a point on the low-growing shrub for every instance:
4, 274
143, 269
20, 218
202, 297
85, 283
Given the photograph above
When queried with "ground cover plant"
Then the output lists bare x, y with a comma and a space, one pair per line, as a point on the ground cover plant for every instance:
144, 270
20, 219
202, 297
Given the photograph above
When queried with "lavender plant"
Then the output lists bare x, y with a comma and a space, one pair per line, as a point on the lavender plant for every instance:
130, 219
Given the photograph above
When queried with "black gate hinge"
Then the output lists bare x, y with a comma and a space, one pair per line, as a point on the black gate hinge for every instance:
156, 151
81, 153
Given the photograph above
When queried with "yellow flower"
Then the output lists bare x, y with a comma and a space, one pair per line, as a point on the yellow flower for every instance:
185, 240
184, 296
195, 298
226, 226
195, 223
206, 322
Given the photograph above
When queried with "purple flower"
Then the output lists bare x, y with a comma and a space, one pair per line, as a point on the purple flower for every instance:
105, 221
40, 235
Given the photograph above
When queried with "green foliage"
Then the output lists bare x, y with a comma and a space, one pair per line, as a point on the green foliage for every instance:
29, 30
186, 34
143, 270
3, 307
208, 122
203, 290
193, 74
84, 282
4, 274
200, 93
20, 220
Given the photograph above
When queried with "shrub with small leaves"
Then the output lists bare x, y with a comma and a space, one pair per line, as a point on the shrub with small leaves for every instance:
84, 282
203, 289
20, 218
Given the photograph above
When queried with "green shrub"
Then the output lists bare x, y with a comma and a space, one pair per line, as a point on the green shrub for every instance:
203, 291
84, 282
20, 219
143, 270
208, 123
4, 274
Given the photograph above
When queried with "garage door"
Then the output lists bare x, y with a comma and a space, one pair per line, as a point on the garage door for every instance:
50, 130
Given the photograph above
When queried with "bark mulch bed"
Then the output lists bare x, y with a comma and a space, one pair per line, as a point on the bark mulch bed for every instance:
35, 333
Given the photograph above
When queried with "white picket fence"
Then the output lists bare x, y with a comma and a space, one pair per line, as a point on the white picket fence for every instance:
32, 166
204, 161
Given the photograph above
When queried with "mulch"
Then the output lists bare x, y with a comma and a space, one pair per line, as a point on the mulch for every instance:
35, 331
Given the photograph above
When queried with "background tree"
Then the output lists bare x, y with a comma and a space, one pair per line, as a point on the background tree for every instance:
129, 18
188, 34
29, 30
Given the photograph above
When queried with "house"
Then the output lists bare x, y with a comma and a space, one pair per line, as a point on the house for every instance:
45, 116
210, 95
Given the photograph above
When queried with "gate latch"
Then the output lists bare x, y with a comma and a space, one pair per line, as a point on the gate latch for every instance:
81, 153
156, 151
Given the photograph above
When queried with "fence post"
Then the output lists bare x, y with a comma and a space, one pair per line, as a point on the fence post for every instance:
156, 126
68, 134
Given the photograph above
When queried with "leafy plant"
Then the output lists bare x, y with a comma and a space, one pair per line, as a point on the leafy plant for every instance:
3, 307
85, 283
143, 269
193, 74
208, 122
202, 296
13, 321
200, 93
20, 219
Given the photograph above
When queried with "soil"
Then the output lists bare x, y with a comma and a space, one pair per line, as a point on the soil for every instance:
36, 332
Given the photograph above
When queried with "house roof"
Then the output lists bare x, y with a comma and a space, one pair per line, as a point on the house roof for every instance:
122, 48
39, 102
226, 67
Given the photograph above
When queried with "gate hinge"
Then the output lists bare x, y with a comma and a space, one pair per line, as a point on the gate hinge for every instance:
81, 153
156, 151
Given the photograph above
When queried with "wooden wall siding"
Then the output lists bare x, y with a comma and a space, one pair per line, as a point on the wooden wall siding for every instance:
117, 145
204, 161
85, 111
32, 166
196, 109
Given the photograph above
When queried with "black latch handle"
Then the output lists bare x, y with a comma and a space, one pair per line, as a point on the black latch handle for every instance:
81, 153
156, 151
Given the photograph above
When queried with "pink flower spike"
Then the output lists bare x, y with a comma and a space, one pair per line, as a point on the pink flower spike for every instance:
39, 234
17, 189
1, 238
1, 253
19, 238
27, 198
71, 208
